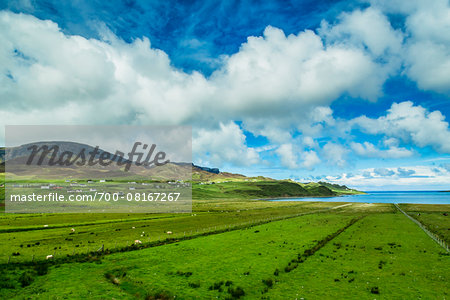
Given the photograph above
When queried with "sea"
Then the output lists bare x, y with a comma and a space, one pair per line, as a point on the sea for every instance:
422, 197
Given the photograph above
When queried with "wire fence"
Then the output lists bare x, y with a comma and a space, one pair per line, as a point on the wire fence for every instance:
434, 236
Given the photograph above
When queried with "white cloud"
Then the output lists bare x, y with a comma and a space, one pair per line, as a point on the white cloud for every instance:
427, 41
309, 142
225, 144
275, 84
335, 154
288, 156
310, 159
368, 28
426, 50
370, 150
410, 123
406, 178
383, 172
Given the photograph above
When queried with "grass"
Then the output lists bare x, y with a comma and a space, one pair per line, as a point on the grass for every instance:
195, 268
27, 235
434, 216
233, 249
328, 255
382, 256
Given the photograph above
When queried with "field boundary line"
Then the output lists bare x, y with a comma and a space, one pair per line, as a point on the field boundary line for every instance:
435, 237
80, 257
302, 257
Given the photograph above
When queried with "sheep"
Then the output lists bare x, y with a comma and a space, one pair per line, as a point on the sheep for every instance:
137, 242
72, 229
169, 232
133, 227
45, 225
49, 257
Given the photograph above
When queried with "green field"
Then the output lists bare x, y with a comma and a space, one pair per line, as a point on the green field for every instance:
228, 249
435, 217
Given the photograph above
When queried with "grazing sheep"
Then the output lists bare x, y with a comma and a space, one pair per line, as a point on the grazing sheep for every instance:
45, 225
49, 257
137, 242
72, 229
169, 232
133, 227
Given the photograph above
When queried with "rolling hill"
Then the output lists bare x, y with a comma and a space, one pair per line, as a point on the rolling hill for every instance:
207, 182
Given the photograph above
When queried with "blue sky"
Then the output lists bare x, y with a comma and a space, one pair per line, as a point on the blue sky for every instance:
353, 92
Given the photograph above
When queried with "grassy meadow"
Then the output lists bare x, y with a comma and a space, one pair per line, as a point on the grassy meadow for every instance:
226, 249
232, 246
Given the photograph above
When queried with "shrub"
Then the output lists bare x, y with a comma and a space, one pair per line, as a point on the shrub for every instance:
237, 292
268, 282
41, 269
375, 290
216, 286
163, 295
186, 274
26, 278
194, 285
6, 282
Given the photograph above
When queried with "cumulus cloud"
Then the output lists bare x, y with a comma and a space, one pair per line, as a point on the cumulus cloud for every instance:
409, 123
406, 178
335, 153
271, 83
426, 26
405, 172
310, 159
279, 86
368, 28
288, 156
225, 144
383, 172
432, 73
367, 149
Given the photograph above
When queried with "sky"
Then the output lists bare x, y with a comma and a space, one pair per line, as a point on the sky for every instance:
350, 92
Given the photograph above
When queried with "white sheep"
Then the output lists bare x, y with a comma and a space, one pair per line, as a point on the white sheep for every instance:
72, 229
137, 242
169, 232
49, 257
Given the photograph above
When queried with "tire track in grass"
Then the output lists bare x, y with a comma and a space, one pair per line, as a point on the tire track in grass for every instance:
301, 257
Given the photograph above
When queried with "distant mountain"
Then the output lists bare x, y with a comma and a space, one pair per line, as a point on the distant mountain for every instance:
239, 185
2, 154
24, 151
174, 170
210, 170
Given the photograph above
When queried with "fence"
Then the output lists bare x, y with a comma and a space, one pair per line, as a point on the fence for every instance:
56, 253
435, 237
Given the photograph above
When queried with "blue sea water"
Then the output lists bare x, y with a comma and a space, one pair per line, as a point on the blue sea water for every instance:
423, 197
